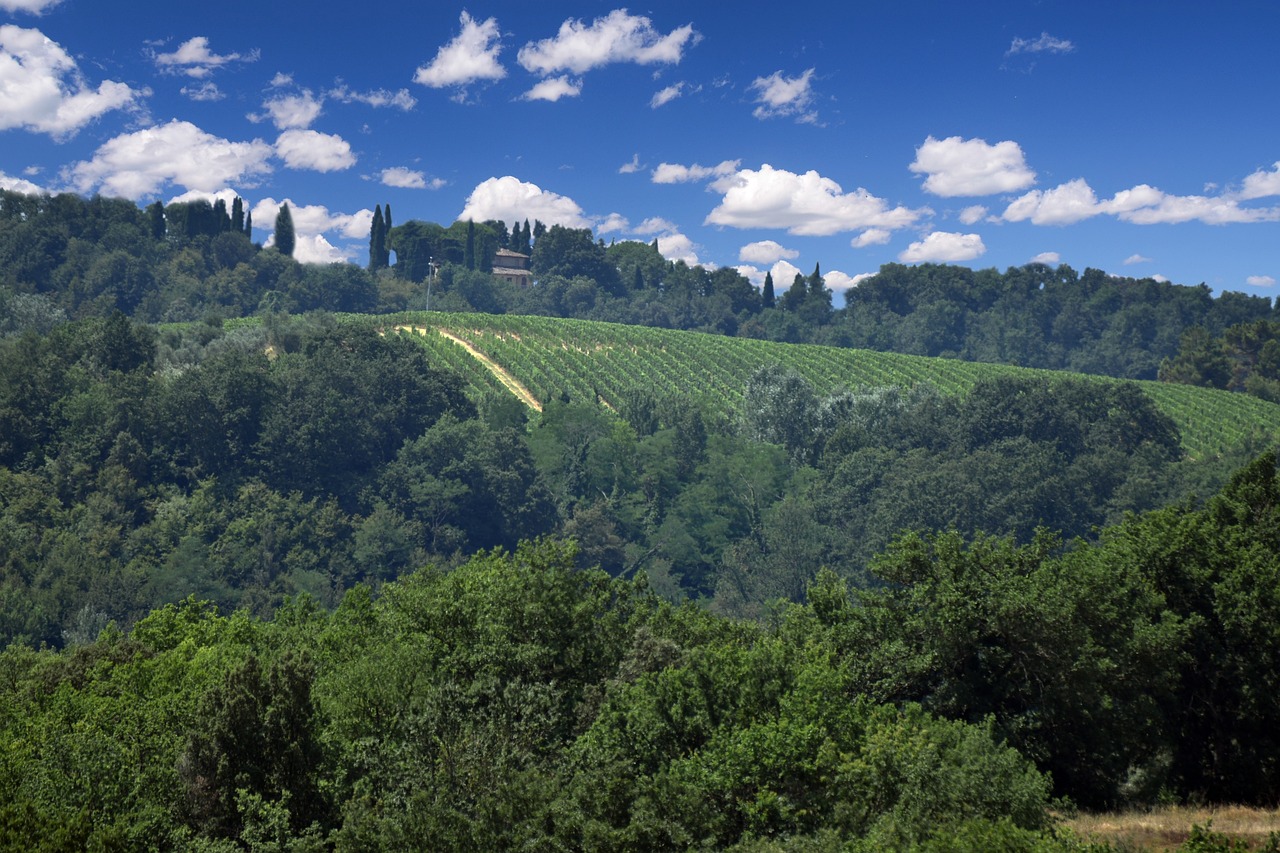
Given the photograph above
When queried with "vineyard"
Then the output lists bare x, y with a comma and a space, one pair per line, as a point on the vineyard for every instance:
591, 360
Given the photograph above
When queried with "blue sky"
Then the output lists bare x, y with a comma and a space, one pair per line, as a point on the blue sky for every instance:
1141, 138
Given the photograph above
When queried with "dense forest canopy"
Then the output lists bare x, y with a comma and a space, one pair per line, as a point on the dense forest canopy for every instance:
288, 583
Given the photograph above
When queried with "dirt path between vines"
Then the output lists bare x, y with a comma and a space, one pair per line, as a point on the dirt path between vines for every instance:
509, 382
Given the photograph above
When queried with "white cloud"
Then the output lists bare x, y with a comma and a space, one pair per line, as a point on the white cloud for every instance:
765, 252
944, 246
968, 167
404, 178
1163, 279
870, 237
1047, 258
807, 204
400, 99
1136, 259
194, 59
667, 95
310, 149
674, 173
617, 37
1260, 281
42, 90
675, 246
19, 185
1075, 201
310, 224
472, 56
1067, 203
631, 167
1045, 44
553, 89
784, 275
206, 91
35, 7
291, 111
1262, 183
972, 214
613, 222
510, 199
139, 164
843, 282
654, 225
780, 96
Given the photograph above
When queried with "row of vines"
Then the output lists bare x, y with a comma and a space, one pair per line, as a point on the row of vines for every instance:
592, 360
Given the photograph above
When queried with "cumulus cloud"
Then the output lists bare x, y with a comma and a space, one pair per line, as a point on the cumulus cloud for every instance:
35, 7
1262, 183
19, 185
1260, 281
140, 164
509, 199
780, 96
1047, 258
310, 224
765, 252
553, 89
968, 167
404, 178
1075, 201
617, 37
675, 246
870, 237
1136, 259
310, 149
943, 247
400, 99
807, 204
674, 173
630, 167
1044, 44
226, 195
614, 222
42, 90
194, 59
840, 282
472, 56
291, 111
972, 214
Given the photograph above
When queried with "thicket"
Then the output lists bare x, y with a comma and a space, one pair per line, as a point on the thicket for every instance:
518, 701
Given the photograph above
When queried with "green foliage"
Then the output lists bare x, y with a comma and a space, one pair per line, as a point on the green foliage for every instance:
284, 235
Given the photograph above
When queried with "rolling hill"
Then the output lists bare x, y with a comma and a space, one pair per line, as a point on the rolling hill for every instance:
538, 358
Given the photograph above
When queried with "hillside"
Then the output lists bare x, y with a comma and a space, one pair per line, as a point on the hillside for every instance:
587, 360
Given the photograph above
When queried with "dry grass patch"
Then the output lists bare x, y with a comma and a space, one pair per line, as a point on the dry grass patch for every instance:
1166, 828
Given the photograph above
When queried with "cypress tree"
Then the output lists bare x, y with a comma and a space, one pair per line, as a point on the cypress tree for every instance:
285, 238
155, 216
237, 214
248, 224
469, 253
377, 239
386, 218
768, 299
527, 239
221, 219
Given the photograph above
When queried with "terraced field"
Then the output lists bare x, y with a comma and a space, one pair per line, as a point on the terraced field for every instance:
547, 356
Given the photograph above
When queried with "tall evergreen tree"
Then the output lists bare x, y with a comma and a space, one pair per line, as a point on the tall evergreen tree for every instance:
386, 218
469, 251
155, 217
768, 299
377, 239
796, 293
221, 219
248, 224
527, 240
285, 238
237, 215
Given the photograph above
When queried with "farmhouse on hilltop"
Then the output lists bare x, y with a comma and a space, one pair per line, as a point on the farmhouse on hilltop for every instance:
512, 267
